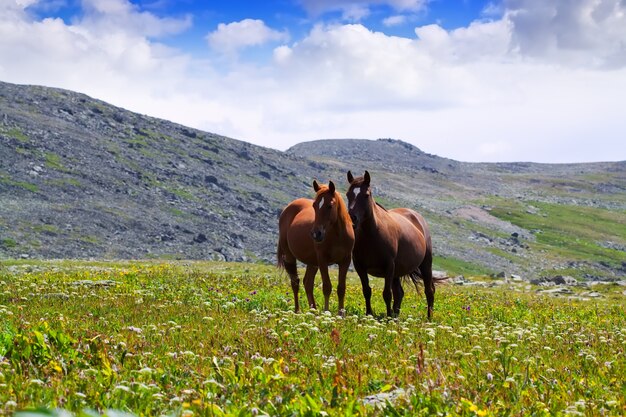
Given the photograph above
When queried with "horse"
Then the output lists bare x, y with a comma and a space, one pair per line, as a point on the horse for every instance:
317, 233
392, 244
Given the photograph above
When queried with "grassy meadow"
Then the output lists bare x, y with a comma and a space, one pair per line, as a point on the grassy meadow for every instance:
213, 339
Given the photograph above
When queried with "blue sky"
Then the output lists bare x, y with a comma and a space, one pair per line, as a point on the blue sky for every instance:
501, 80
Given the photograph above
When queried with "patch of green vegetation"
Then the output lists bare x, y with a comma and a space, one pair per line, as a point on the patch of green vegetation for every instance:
177, 212
15, 133
89, 239
181, 192
64, 182
149, 338
565, 231
454, 266
46, 228
8, 243
53, 161
504, 254
5, 179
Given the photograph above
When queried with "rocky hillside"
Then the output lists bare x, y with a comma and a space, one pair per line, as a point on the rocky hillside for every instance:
83, 179
521, 218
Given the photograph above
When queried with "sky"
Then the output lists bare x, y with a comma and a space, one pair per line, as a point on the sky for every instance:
471, 80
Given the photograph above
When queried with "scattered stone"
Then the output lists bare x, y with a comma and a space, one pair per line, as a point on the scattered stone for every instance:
564, 280
381, 399
440, 274
555, 280
89, 283
200, 238
458, 280
594, 294
557, 291
59, 295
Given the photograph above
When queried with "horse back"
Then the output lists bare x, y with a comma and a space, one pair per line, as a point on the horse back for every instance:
414, 242
294, 229
417, 220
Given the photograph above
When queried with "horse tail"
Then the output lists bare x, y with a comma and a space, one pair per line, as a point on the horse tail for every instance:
415, 278
280, 256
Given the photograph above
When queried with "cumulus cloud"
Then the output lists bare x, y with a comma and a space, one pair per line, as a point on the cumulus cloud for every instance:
106, 53
229, 37
584, 32
470, 93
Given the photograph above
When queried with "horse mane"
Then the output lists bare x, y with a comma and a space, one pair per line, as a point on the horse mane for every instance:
344, 216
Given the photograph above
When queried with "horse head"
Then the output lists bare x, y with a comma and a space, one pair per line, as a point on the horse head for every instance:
360, 201
327, 206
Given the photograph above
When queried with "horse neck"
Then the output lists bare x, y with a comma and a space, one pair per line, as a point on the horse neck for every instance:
372, 223
343, 218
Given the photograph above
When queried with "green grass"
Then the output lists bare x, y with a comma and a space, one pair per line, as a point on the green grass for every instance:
5, 179
455, 266
53, 161
8, 243
568, 232
200, 338
16, 133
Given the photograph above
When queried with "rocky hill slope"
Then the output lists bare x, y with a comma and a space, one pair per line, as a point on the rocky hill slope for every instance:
83, 179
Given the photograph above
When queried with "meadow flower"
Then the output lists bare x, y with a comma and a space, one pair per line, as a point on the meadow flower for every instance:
121, 388
134, 329
145, 371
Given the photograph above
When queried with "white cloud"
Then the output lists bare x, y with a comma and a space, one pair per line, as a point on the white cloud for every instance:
588, 33
229, 37
394, 20
105, 16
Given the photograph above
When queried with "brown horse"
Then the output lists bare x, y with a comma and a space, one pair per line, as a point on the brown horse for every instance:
318, 233
389, 243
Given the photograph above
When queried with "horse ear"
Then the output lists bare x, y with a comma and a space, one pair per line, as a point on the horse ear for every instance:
366, 179
350, 177
316, 186
331, 187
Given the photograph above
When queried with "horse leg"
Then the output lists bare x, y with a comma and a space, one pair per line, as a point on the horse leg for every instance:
309, 281
327, 286
426, 269
292, 271
365, 285
398, 295
387, 294
341, 286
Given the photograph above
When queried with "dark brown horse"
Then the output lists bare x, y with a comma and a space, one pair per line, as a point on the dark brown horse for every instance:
389, 243
318, 233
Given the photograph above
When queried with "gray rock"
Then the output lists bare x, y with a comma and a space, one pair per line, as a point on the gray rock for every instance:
557, 291
564, 280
